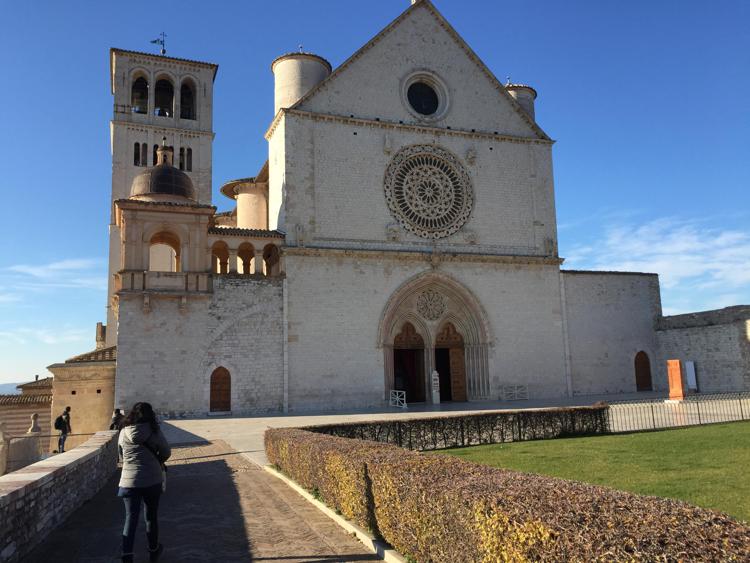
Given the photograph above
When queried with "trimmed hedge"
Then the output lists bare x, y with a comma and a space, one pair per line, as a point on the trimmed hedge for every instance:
440, 508
484, 428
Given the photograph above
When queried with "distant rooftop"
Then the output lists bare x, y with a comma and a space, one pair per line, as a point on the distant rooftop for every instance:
25, 399
102, 355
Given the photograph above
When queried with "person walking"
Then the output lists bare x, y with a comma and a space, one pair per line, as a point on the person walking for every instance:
143, 450
116, 421
62, 424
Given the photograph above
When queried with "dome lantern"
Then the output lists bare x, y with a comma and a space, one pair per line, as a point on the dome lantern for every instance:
163, 182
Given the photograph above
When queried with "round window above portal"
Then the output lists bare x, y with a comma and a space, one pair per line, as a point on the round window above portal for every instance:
425, 96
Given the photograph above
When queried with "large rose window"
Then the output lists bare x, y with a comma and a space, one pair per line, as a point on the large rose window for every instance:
428, 191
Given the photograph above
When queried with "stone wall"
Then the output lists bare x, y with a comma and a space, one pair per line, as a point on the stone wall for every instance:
610, 317
88, 388
334, 184
717, 341
36, 499
334, 355
166, 353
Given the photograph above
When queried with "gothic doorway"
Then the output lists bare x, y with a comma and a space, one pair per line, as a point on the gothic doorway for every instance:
643, 372
408, 364
450, 364
221, 391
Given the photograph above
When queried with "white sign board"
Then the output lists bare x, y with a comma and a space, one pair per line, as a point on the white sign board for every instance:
692, 381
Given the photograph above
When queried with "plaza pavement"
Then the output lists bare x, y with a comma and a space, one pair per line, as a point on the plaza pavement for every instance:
245, 434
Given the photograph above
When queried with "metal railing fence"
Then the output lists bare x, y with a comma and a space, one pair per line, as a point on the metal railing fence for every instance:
654, 414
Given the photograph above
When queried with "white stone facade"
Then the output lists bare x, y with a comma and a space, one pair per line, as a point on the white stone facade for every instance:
405, 222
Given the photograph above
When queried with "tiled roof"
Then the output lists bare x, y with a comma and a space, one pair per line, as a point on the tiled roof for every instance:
156, 56
39, 383
25, 399
236, 231
102, 355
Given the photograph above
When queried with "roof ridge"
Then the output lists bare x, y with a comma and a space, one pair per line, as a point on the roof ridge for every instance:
456, 37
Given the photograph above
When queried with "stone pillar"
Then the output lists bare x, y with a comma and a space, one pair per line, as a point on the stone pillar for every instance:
677, 380
258, 270
232, 269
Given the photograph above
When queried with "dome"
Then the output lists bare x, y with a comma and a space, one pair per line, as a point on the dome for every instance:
163, 181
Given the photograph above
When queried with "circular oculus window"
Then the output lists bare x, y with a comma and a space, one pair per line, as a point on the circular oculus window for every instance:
423, 98
424, 95
428, 191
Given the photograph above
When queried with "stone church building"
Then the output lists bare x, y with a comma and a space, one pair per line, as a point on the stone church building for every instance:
403, 222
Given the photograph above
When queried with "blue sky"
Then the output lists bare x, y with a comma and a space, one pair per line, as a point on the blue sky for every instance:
648, 102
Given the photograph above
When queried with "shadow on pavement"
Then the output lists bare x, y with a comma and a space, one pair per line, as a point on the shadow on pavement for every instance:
200, 519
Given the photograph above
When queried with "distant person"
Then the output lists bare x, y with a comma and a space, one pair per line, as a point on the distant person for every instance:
116, 421
62, 424
143, 449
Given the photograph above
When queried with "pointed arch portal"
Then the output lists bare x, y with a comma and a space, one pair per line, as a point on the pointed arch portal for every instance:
432, 322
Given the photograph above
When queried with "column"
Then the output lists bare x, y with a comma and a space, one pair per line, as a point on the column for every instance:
258, 262
232, 268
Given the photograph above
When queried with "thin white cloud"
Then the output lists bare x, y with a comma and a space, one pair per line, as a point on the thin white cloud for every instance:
699, 266
47, 336
82, 273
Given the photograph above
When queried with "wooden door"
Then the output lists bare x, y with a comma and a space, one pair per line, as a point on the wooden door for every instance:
450, 338
642, 372
458, 374
221, 391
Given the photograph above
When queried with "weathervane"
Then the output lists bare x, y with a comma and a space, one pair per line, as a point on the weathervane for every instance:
161, 41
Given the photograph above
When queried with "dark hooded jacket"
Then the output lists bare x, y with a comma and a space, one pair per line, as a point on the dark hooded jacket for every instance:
140, 467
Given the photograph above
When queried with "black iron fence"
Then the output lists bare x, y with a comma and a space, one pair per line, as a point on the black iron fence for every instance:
653, 414
432, 433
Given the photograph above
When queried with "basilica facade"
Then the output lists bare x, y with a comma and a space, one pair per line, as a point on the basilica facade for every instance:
403, 223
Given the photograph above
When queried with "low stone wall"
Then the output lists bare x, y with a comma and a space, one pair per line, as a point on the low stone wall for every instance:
36, 499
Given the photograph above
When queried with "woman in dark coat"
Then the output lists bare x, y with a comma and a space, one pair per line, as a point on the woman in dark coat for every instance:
143, 450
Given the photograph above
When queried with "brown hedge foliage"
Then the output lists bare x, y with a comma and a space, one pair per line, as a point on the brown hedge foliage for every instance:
436, 508
474, 429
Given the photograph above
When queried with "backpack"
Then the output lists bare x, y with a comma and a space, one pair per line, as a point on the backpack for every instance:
60, 423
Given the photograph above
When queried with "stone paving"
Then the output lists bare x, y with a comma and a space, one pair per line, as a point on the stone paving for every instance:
218, 507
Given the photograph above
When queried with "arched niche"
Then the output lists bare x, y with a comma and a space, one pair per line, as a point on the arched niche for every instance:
432, 302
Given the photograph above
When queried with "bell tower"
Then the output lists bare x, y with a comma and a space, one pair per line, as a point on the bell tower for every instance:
156, 97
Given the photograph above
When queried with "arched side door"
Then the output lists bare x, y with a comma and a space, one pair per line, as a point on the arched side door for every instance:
643, 372
221, 391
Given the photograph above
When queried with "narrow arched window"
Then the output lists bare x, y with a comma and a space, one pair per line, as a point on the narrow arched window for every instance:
139, 96
187, 101
144, 154
182, 158
136, 154
154, 157
164, 98
189, 161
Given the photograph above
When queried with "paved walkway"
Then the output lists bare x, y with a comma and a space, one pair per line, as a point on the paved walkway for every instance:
218, 507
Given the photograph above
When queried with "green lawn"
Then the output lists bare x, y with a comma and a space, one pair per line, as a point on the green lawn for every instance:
705, 465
